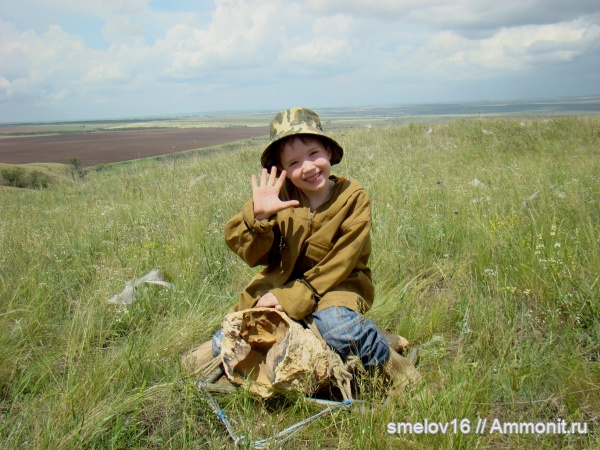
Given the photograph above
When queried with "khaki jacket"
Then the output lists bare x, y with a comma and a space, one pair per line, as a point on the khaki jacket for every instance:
313, 260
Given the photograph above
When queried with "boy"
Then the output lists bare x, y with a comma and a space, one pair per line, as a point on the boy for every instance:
311, 230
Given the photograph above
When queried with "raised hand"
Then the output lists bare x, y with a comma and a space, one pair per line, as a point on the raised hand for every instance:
266, 194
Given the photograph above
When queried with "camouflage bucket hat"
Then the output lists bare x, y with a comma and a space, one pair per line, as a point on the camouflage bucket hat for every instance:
297, 121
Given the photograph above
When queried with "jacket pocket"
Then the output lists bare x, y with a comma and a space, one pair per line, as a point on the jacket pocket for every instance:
317, 251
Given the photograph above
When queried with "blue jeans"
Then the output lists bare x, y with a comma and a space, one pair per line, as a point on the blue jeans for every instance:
347, 332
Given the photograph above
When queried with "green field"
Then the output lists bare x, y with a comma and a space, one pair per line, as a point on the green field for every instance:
486, 254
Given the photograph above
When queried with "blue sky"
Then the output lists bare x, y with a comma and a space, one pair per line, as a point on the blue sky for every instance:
93, 59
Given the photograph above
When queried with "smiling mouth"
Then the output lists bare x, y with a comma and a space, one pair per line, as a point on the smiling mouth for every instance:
313, 178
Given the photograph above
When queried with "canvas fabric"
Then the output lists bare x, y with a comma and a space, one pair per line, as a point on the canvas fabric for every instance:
276, 353
345, 331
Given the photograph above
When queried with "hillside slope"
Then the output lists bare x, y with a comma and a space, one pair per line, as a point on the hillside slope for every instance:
485, 254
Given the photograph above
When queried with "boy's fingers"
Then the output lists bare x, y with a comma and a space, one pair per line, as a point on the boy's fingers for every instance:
263, 177
268, 300
273, 176
254, 185
281, 179
290, 204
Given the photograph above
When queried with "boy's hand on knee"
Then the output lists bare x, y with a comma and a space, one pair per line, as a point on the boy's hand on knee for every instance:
269, 301
265, 195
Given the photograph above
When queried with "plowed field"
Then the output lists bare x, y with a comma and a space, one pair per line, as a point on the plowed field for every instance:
115, 146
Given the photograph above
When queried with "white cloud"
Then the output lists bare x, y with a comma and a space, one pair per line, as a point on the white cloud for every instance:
240, 35
105, 74
40, 67
462, 15
318, 52
514, 49
98, 8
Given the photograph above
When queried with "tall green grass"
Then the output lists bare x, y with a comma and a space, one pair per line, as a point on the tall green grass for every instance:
486, 254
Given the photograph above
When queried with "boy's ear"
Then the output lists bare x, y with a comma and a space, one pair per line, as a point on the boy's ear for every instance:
328, 151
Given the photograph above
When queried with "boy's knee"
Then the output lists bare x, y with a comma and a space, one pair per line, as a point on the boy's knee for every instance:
349, 333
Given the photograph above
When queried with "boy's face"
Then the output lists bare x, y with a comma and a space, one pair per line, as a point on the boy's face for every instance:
307, 163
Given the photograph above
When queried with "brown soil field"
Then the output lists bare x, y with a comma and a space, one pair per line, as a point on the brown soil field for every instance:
116, 146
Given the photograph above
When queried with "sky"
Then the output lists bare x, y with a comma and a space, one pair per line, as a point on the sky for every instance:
101, 59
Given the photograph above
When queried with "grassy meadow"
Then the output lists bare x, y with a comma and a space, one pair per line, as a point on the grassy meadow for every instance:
485, 254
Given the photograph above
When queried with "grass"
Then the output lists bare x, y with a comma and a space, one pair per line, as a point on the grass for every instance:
35, 175
497, 280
